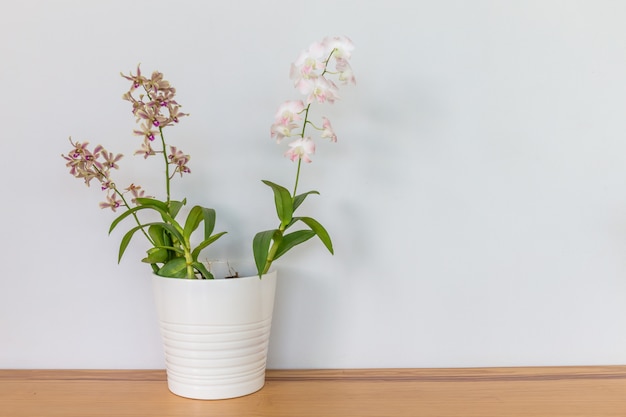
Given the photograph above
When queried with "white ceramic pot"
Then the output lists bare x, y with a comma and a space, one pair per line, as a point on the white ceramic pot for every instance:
215, 334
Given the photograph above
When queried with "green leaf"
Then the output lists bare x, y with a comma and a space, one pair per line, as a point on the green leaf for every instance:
319, 231
171, 230
124, 215
205, 243
125, 241
129, 235
283, 201
292, 239
297, 200
193, 221
203, 270
209, 221
195, 217
155, 207
156, 255
175, 207
175, 268
151, 202
260, 248
158, 235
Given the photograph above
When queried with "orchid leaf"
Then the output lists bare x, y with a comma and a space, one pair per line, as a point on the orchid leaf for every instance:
292, 239
209, 221
175, 207
126, 240
161, 254
156, 255
283, 201
130, 211
319, 231
194, 218
261, 246
171, 230
151, 202
175, 268
200, 267
205, 243
129, 235
297, 200
157, 233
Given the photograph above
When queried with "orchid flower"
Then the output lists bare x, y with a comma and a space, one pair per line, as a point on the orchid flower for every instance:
287, 114
111, 202
341, 45
328, 131
180, 160
136, 192
300, 149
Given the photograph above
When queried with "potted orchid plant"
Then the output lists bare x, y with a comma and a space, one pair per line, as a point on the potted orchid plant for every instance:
154, 105
215, 331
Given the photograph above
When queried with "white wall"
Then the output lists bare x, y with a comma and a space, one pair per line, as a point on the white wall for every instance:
476, 196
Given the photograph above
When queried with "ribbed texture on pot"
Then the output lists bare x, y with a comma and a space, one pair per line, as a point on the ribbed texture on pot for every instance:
226, 360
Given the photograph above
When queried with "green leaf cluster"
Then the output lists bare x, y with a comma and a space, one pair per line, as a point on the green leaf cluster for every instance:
171, 254
269, 245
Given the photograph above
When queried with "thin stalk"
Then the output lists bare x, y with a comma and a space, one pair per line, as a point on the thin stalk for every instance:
167, 166
121, 195
306, 120
295, 187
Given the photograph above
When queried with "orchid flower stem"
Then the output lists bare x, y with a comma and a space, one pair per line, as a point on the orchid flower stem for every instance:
134, 216
306, 120
295, 187
167, 167
121, 195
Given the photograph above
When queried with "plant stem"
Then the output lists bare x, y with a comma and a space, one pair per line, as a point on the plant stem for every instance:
295, 187
167, 167
272, 251
134, 215
189, 260
121, 195
306, 120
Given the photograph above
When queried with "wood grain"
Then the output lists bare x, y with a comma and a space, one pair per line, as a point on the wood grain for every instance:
594, 391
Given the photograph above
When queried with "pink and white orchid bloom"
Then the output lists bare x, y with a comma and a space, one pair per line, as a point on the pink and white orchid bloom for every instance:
281, 131
319, 89
344, 71
342, 45
328, 131
301, 149
308, 62
287, 113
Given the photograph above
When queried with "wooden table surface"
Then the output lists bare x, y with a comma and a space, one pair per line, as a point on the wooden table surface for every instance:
596, 391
